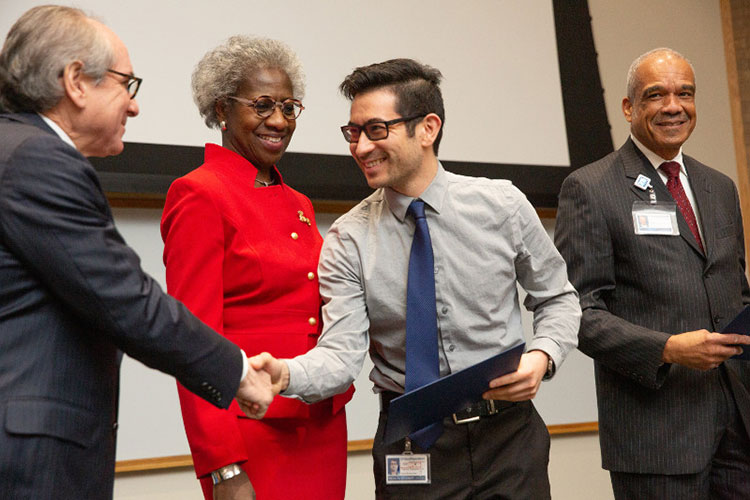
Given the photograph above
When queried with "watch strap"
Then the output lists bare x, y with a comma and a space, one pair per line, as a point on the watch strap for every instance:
224, 473
550, 368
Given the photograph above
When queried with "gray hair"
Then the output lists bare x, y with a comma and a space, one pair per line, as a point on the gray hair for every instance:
633, 82
39, 46
223, 70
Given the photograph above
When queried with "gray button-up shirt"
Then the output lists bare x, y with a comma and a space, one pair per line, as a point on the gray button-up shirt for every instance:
486, 237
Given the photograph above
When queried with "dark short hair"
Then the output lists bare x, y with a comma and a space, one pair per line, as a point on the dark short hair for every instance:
415, 85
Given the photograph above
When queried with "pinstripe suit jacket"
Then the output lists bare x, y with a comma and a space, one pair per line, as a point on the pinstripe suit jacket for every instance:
72, 294
635, 292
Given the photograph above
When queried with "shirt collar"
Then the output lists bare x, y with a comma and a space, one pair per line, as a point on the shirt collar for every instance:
433, 196
657, 160
60, 132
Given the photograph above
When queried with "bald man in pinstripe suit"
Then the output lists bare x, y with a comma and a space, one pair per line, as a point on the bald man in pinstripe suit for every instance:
674, 409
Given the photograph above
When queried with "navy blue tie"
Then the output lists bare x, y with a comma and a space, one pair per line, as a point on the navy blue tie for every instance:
422, 363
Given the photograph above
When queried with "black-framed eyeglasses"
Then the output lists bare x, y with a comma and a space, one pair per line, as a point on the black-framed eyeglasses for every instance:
265, 105
375, 131
133, 83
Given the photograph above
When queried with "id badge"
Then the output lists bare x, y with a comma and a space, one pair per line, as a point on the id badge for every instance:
408, 468
658, 219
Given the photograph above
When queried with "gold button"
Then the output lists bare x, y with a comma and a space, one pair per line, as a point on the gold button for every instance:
295, 236
311, 276
312, 321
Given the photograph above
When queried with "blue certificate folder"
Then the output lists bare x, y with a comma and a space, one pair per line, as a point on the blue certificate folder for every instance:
740, 324
432, 402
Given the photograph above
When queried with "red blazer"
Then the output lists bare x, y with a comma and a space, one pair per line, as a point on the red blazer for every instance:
245, 261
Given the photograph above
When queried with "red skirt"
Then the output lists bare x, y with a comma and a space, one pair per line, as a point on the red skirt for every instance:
294, 458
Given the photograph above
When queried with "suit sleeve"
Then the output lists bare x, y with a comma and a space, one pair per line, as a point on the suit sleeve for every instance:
56, 219
193, 232
741, 248
584, 240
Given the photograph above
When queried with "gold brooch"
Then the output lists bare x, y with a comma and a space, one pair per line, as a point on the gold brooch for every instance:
302, 217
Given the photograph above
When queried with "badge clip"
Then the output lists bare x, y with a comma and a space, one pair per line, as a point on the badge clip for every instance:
644, 183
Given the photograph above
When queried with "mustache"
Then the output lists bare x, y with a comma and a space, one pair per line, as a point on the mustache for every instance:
664, 117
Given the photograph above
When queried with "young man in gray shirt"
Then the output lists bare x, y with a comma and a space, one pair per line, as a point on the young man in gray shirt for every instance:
485, 239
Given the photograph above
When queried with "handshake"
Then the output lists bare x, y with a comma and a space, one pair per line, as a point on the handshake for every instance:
266, 377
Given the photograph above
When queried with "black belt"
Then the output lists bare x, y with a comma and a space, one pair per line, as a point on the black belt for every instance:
472, 413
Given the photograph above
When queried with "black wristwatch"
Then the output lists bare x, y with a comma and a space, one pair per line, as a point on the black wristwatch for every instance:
550, 368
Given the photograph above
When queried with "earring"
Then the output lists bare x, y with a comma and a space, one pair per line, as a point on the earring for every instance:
223, 125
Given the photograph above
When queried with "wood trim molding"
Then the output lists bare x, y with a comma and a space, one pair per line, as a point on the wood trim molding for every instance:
148, 464
136, 200
363, 445
735, 24
578, 428
546, 213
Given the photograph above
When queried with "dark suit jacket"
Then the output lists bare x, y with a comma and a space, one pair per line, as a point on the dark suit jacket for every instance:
638, 290
72, 294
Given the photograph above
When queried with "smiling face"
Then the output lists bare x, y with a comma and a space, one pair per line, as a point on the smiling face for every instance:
262, 141
398, 161
662, 115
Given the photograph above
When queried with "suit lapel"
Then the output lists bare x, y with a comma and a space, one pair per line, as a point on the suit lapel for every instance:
635, 164
701, 187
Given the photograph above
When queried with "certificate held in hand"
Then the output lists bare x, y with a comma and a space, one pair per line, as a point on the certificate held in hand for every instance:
740, 324
430, 403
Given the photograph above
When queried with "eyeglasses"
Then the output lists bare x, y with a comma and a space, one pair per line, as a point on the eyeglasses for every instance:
132, 84
265, 105
375, 131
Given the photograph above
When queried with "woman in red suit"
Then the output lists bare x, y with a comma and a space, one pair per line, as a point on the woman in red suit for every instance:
241, 250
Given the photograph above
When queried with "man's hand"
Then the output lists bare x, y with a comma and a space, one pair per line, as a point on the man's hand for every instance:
276, 369
236, 488
701, 349
522, 384
255, 393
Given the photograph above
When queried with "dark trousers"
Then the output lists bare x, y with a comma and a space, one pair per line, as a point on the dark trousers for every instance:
727, 477
503, 456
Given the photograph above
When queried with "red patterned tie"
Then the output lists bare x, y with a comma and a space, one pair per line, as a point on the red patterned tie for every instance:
672, 169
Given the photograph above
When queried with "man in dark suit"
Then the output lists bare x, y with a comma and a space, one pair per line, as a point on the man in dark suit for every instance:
657, 255
72, 293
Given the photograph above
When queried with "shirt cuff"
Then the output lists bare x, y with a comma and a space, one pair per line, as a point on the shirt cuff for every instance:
550, 348
296, 379
245, 365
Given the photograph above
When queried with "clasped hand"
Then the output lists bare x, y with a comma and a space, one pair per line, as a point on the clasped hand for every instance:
266, 377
